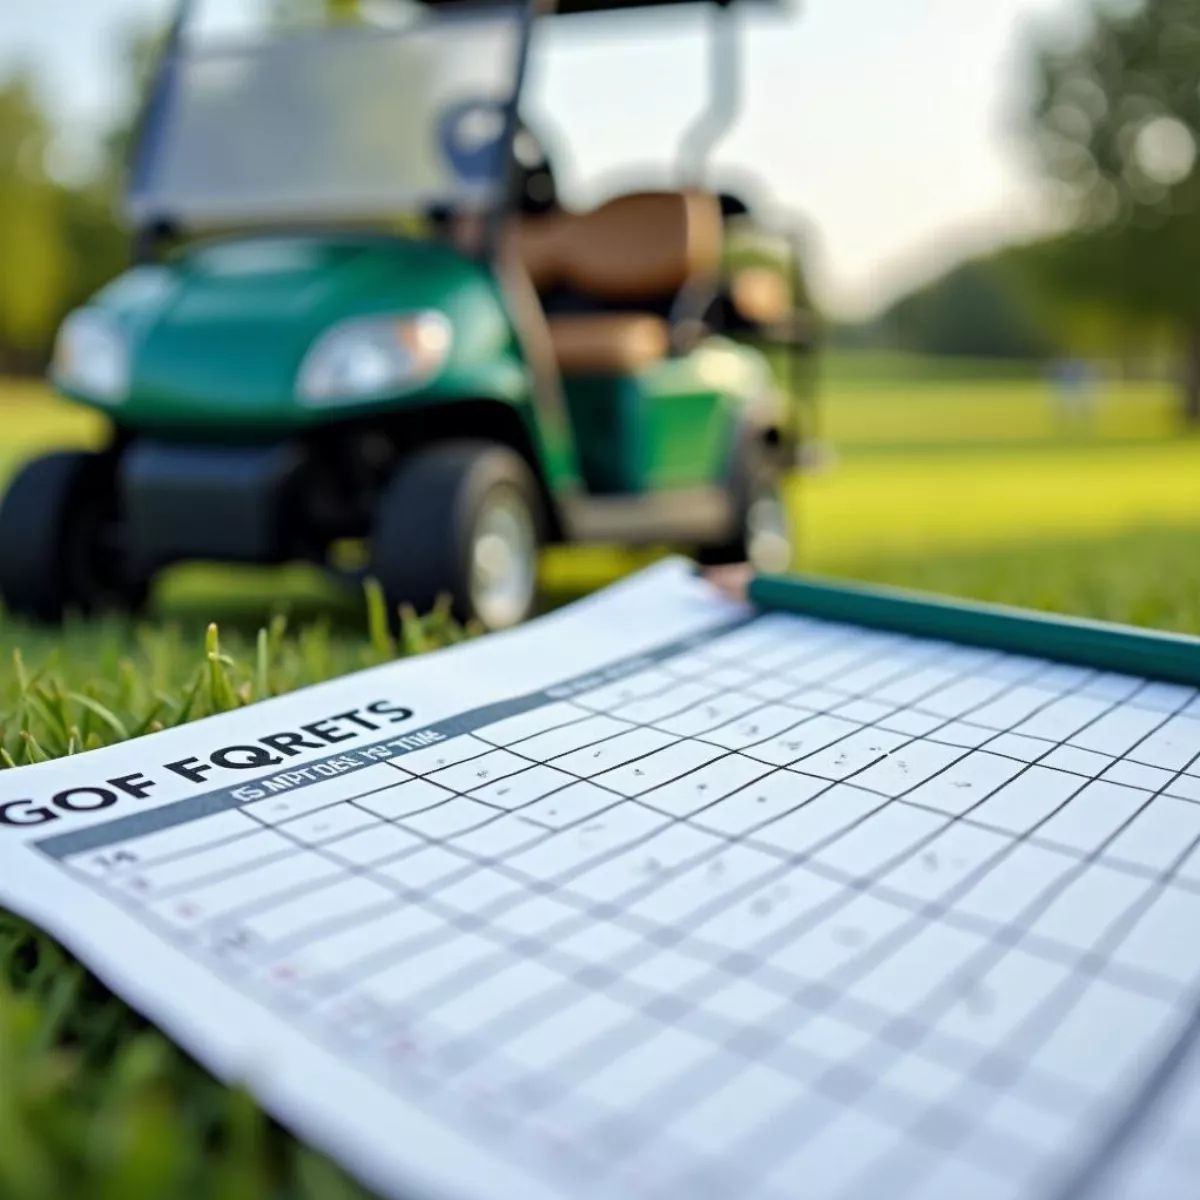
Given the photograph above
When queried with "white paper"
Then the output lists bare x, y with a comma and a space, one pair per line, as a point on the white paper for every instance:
659, 897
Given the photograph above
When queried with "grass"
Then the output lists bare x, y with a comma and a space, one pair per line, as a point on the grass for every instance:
954, 481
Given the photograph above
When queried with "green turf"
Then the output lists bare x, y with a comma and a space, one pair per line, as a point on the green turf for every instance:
951, 480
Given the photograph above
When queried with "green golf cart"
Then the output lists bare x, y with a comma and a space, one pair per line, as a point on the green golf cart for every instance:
360, 316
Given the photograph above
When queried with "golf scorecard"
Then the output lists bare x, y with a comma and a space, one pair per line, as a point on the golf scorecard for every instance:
827, 895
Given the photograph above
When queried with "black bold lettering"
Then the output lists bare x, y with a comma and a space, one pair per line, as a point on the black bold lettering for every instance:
190, 768
328, 731
72, 799
250, 758
385, 708
133, 785
25, 812
353, 717
289, 743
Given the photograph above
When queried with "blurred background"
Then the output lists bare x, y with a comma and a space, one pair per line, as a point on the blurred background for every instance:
1001, 205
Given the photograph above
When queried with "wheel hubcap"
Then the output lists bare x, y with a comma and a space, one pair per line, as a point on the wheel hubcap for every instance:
769, 541
504, 561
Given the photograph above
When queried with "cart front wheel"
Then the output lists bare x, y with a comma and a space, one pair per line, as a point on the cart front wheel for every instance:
60, 549
463, 520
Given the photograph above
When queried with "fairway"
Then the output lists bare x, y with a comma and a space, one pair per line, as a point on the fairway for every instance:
949, 479
898, 505
889, 404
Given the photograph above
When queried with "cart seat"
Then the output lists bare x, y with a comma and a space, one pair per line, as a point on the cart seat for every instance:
609, 278
609, 343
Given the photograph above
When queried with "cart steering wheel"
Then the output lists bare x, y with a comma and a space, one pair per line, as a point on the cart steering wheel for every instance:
471, 136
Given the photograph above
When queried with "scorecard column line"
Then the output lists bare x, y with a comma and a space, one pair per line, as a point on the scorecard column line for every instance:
1084, 971
1082, 682
816, 917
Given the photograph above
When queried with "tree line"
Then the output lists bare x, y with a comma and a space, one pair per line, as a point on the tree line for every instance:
1115, 121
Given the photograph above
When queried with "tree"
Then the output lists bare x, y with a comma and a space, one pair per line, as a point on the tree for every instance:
1117, 121
978, 310
34, 280
59, 243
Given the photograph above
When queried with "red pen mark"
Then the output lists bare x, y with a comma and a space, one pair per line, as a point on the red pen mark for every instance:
402, 1047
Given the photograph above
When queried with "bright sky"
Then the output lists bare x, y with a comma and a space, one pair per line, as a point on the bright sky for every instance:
890, 125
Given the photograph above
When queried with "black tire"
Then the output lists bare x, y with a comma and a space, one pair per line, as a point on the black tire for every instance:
428, 521
754, 479
58, 546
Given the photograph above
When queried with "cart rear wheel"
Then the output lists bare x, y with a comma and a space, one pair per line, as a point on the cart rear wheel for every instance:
59, 544
763, 534
463, 520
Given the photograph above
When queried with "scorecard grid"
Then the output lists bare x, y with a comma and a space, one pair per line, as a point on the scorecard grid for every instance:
648, 947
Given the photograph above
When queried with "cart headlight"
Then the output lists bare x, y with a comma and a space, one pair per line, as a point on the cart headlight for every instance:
373, 358
91, 356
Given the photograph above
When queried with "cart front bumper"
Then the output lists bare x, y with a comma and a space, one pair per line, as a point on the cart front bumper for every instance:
215, 503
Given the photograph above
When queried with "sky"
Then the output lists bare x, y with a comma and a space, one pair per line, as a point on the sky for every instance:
889, 127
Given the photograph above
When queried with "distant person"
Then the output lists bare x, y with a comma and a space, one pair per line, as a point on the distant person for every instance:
1074, 394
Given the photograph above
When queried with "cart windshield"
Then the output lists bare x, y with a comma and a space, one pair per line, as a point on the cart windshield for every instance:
314, 109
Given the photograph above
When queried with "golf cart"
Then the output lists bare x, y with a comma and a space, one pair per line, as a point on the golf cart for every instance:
359, 316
